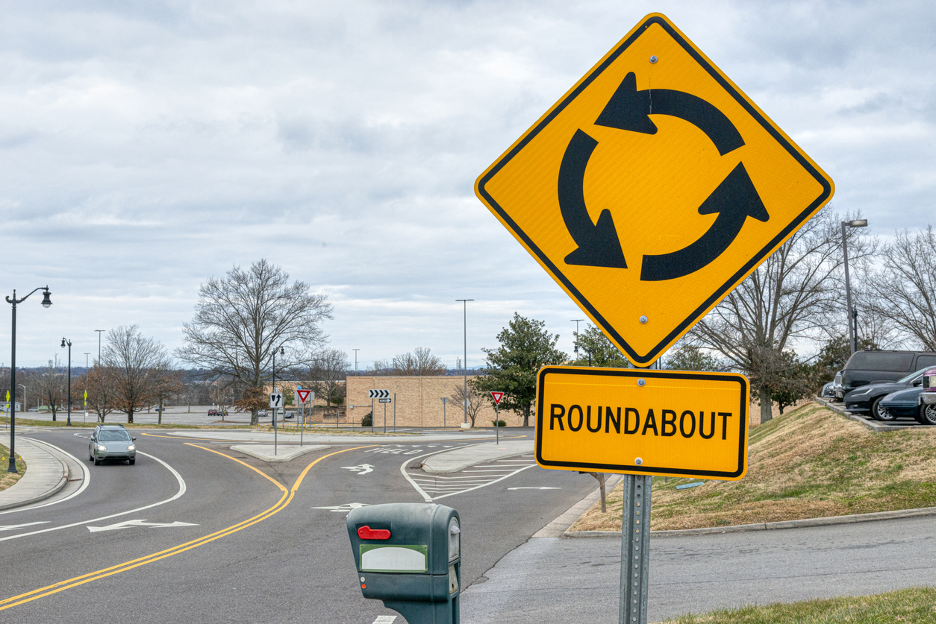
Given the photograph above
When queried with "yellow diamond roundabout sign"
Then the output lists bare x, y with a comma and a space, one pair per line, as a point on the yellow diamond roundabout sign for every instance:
652, 189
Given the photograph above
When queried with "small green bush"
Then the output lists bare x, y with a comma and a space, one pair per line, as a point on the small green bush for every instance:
368, 420
499, 423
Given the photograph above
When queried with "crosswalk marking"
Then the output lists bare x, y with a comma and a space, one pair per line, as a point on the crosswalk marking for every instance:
434, 487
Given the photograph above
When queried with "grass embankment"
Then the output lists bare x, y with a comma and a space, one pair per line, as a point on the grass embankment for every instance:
808, 463
7, 479
908, 606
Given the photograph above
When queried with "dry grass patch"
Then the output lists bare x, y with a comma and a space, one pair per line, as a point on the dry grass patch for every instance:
808, 463
908, 606
7, 479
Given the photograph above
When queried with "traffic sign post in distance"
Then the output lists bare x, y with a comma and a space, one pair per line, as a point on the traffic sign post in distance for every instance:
497, 396
378, 394
276, 400
653, 180
642, 422
304, 395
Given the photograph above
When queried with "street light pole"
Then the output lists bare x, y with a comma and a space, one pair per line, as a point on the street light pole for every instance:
577, 321
46, 302
25, 404
99, 332
68, 344
465, 361
86, 362
355, 360
852, 330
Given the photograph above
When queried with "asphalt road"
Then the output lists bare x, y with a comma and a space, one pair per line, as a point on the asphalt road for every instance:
260, 541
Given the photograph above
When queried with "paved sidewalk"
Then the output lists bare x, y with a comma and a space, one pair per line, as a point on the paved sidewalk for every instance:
45, 475
467, 456
290, 436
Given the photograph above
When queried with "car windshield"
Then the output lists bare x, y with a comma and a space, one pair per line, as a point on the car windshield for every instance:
913, 376
113, 435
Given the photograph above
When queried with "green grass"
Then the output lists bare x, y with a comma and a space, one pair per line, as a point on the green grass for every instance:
908, 606
7, 479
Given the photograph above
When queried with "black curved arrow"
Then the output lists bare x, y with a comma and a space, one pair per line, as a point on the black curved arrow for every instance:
734, 200
628, 109
598, 243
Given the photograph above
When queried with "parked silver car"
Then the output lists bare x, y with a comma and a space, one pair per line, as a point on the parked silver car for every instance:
111, 442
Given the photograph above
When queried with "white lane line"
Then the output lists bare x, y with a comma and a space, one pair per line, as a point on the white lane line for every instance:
178, 494
385, 619
487, 484
85, 481
410, 479
13, 527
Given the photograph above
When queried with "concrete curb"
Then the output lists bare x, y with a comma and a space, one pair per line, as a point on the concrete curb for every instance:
442, 463
871, 424
773, 526
560, 526
49, 482
285, 452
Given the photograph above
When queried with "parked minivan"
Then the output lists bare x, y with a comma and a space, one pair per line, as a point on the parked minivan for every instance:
865, 367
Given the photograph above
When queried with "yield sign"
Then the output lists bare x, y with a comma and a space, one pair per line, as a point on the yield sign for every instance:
303, 395
497, 397
652, 189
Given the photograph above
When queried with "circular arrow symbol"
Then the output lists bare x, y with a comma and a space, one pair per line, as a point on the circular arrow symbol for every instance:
735, 199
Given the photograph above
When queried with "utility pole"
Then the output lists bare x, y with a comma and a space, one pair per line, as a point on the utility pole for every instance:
465, 361
99, 332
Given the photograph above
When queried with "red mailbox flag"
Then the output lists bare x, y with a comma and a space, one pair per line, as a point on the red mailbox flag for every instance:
497, 397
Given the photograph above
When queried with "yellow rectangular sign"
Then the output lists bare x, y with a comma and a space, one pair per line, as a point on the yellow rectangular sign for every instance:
644, 422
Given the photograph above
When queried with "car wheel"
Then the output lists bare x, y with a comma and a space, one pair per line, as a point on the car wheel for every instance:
880, 413
97, 462
131, 461
927, 415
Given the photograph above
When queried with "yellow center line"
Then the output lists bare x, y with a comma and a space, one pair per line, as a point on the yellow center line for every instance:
281, 504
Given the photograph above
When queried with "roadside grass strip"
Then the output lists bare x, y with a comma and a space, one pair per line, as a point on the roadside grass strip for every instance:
808, 463
916, 605
285, 499
7, 479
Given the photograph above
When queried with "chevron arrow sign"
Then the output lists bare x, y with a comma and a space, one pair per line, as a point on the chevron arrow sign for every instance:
378, 394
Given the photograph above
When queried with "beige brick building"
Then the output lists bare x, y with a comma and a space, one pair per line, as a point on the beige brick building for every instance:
418, 402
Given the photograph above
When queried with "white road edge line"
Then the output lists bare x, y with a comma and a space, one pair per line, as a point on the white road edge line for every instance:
410, 479
86, 480
116, 515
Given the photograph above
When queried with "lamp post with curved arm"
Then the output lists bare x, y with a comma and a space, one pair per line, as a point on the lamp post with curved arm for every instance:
67, 343
46, 302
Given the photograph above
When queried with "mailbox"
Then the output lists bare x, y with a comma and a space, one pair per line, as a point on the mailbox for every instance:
409, 556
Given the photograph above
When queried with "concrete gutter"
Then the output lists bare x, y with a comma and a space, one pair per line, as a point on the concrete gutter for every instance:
45, 475
467, 456
869, 422
560, 526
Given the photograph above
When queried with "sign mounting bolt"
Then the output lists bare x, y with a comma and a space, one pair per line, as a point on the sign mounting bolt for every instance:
653, 59
641, 382
643, 319
638, 461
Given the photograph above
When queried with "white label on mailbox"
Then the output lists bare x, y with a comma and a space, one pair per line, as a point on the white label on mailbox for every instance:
453, 580
393, 559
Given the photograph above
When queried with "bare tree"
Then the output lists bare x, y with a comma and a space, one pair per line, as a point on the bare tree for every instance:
794, 294
99, 382
420, 362
166, 383
132, 362
904, 291
244, 318
476, 399
52, 385
327, 376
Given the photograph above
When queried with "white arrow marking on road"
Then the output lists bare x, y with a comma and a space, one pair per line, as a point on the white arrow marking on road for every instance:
535, 488
141, 523
13, 527
361, 470
346, 508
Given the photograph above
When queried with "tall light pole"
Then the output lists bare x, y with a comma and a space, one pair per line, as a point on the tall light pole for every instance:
86, 362
355, 360
46, 302
99, 332
67, 343
465, 361
577, 321
852, 314
25, 404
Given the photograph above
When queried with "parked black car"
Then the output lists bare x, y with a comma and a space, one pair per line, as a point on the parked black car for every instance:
868, 398
865, 367
904, 404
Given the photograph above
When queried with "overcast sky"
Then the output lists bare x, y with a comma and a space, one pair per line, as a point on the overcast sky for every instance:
146, 146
